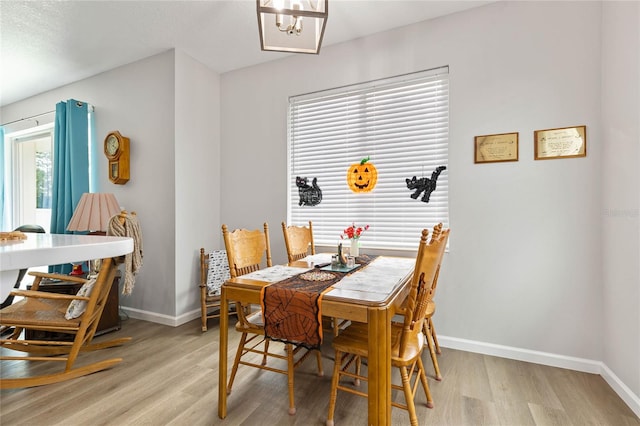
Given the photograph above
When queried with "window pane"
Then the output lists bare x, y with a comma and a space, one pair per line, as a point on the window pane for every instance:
44, 179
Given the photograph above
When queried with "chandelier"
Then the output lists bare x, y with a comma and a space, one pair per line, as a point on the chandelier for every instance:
295, 26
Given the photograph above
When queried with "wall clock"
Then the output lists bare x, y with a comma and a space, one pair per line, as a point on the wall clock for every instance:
116, 148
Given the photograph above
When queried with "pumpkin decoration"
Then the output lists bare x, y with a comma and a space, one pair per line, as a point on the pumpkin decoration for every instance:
362, 176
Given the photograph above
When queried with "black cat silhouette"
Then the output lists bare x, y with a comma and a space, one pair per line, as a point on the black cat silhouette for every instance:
310, 195
424, 184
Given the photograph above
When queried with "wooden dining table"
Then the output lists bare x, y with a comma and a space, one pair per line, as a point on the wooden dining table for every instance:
374, 305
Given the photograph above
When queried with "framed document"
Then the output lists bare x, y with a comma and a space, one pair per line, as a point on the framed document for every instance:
496, 148
565, 142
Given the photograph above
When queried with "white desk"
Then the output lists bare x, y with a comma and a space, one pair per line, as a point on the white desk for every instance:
54, 249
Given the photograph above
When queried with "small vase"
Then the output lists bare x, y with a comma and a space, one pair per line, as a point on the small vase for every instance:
355, 247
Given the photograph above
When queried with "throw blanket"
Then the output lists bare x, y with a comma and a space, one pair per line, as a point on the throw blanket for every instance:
292, 307
127, 225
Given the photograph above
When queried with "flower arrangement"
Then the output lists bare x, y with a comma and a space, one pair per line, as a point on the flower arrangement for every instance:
353, 232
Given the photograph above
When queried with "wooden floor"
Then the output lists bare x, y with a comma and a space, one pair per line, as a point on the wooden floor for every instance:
169, 376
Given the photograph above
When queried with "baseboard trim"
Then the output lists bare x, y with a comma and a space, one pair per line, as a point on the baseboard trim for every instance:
536, 357
546, 358
161, 318
623, 391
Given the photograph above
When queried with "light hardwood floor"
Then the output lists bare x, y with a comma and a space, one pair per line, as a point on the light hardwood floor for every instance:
169, 377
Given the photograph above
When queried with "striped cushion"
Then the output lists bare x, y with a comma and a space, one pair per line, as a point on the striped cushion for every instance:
218, 271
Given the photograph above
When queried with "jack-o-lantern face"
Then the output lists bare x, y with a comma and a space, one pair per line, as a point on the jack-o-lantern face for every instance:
362, 176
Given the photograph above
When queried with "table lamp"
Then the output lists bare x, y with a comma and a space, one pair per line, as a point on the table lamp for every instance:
93, 212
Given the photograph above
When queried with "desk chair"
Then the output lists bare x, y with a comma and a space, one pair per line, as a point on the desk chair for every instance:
245, 251
407, 339
24, 228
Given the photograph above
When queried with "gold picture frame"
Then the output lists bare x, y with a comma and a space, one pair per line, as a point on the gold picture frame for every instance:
496, 148
564, 142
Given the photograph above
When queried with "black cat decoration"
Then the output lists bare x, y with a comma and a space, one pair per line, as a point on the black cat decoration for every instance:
310, 195
424, 184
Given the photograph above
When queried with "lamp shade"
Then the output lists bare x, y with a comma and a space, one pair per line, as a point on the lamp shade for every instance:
93, 212
295, 26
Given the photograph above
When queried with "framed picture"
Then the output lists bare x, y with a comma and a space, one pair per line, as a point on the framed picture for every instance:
496, 148
565, 142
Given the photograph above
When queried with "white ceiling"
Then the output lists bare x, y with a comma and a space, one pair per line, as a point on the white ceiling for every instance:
47, 44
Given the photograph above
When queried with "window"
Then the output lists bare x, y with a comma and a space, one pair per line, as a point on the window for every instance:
402, 124
31, 154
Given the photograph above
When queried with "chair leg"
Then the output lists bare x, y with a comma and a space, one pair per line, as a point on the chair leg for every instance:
292, 405
425, 384
434, 359
236, 361
319, 360
435, 337
266, 351
334, 387
204, 319
408, 396
334, 326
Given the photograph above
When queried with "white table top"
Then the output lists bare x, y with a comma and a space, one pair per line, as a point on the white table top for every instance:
54, 249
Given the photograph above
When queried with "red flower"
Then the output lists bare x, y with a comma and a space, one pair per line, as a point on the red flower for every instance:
353, 231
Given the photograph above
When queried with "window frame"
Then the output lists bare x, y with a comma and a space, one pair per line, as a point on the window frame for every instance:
13, 163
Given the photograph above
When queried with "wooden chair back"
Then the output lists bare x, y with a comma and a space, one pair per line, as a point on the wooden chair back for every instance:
246, 248
437, 236
425, 272
98, 301
297, 240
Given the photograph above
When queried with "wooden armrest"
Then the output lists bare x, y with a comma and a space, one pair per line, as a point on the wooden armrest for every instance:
47, 295
61, 277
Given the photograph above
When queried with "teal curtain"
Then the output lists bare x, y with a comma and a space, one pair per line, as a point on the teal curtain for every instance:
4, 215
70, 165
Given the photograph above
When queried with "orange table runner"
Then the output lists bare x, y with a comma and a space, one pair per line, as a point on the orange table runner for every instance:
292, 307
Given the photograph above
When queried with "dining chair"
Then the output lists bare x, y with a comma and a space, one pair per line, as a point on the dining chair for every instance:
407, 338
428, 328
245, 252
214, 271
431, 339
298, 240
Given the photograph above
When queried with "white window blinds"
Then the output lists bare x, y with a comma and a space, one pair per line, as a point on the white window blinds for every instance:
402, 124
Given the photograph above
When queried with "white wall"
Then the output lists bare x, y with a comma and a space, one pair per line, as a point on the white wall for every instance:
197, 180
524, 276
524, 268
621, 195
168, 105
